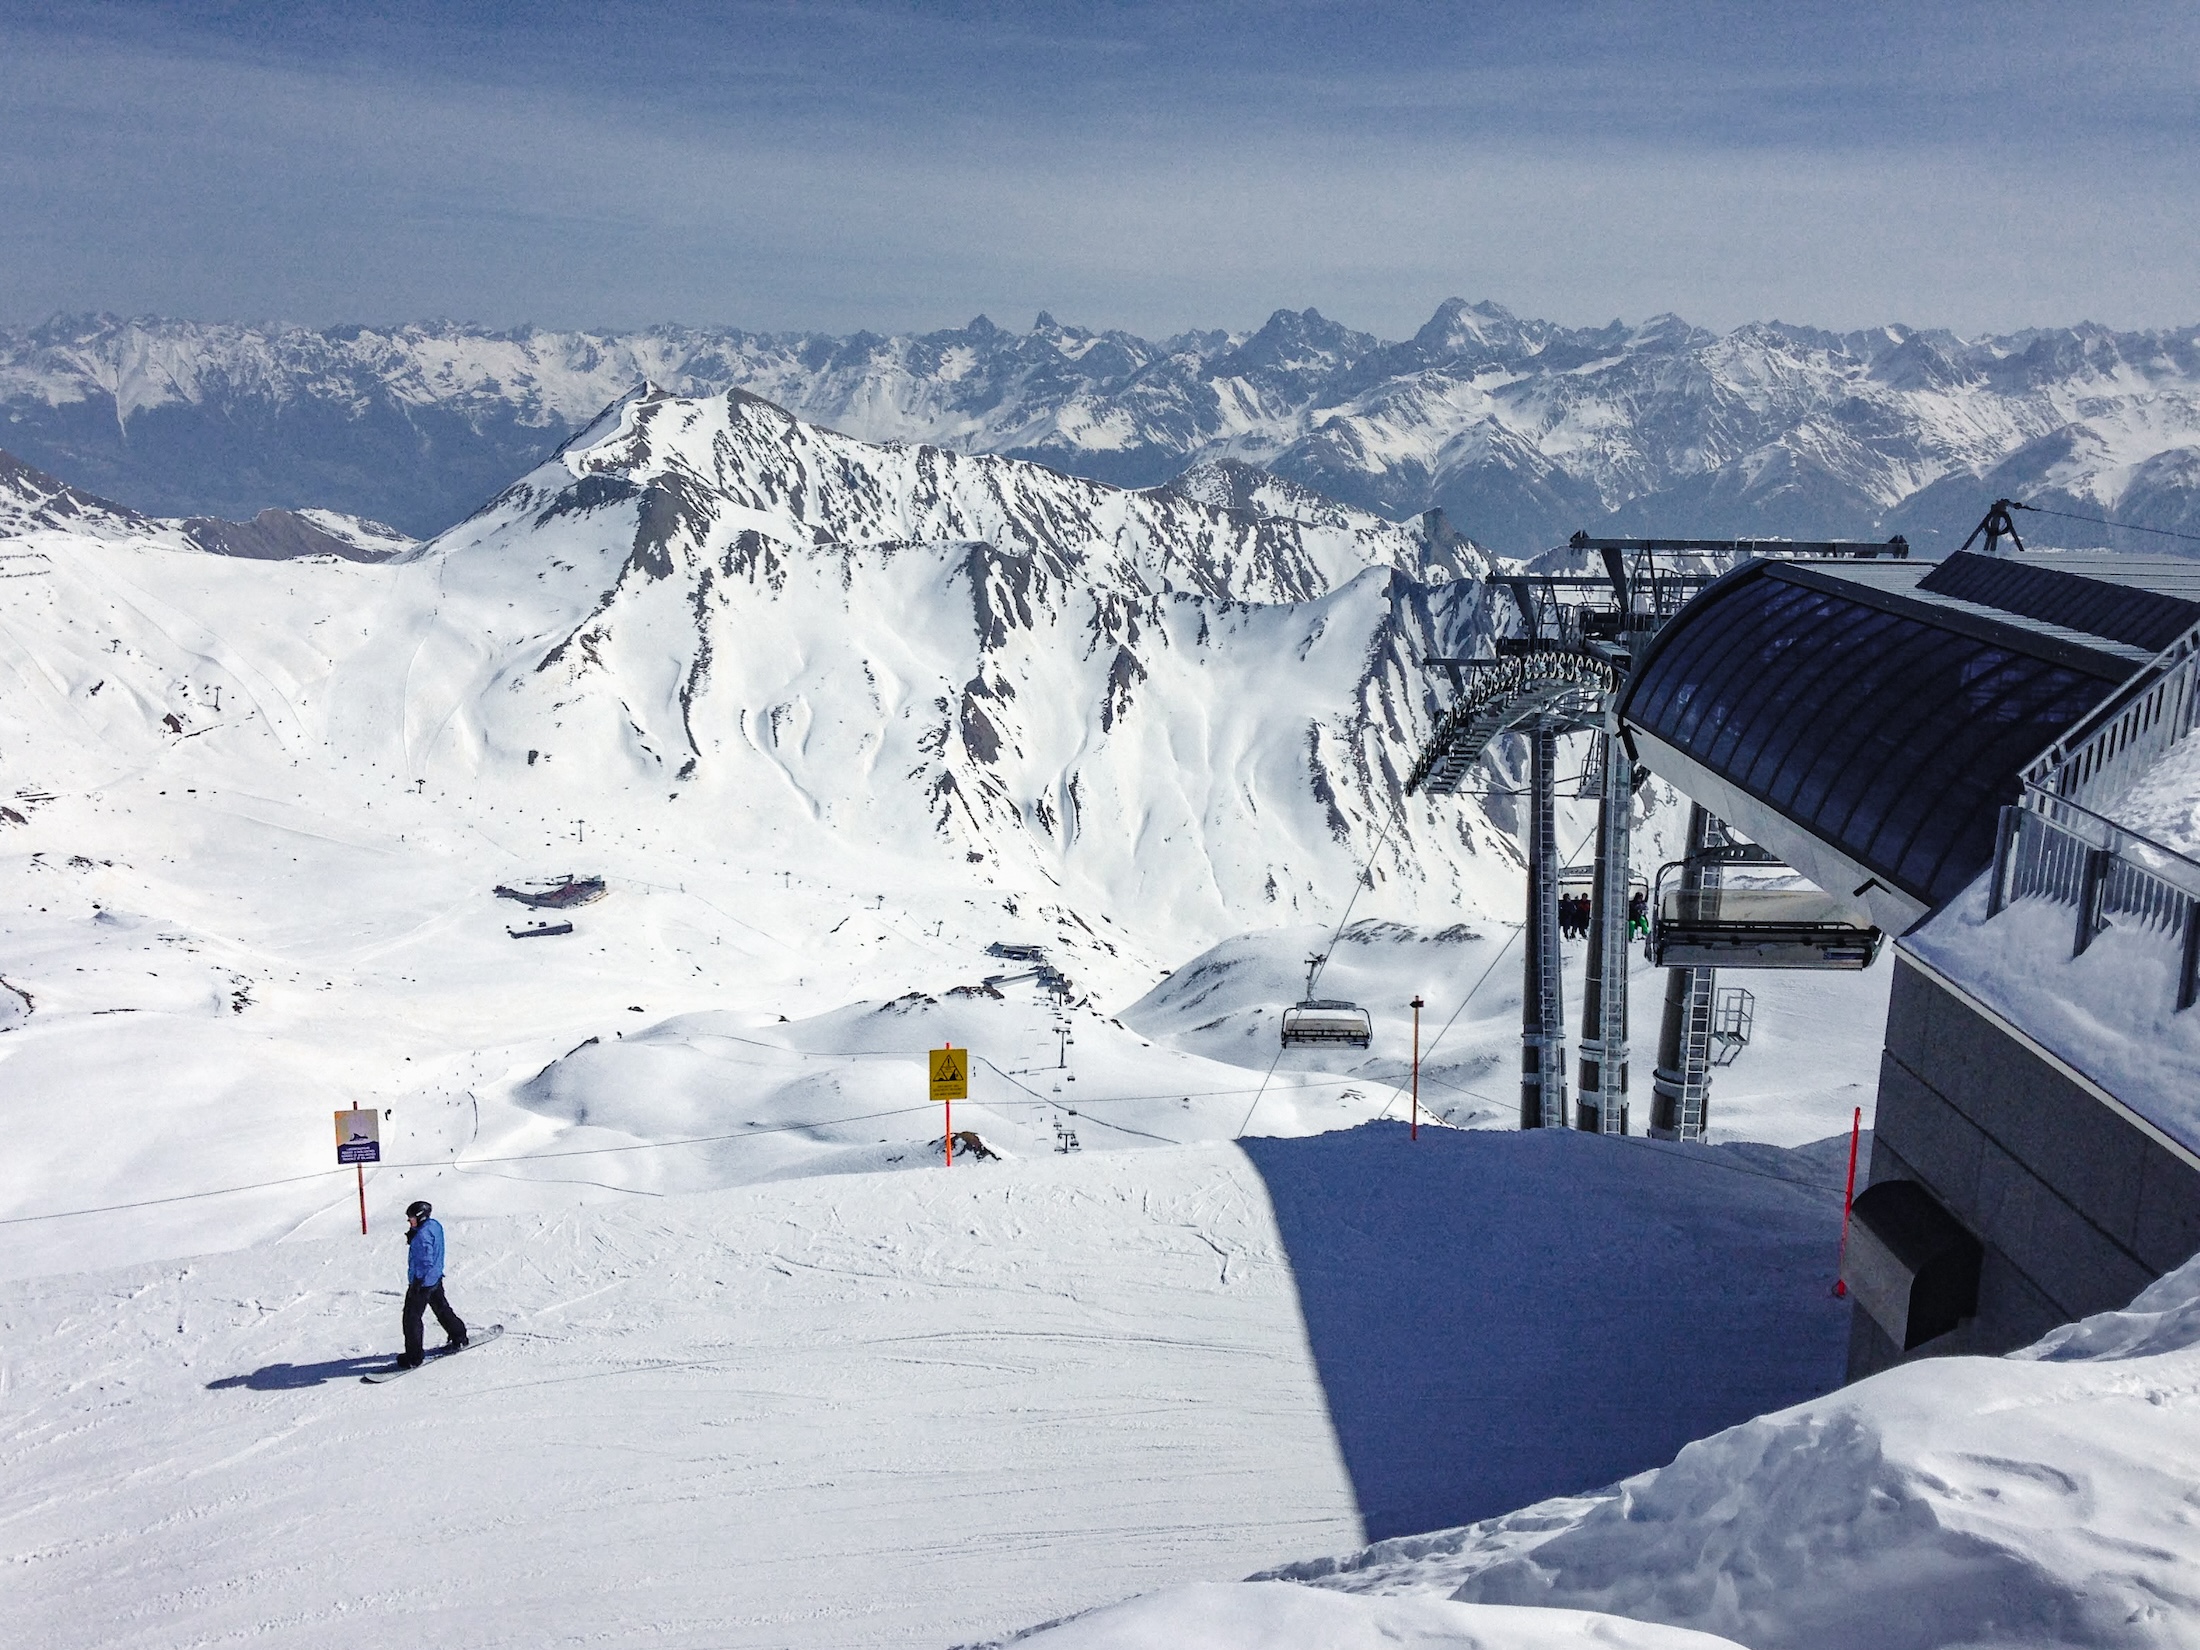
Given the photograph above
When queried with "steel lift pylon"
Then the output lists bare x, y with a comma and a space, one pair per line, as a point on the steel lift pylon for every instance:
1680, 1089
1564, 672
1542, 1001
1603, 1105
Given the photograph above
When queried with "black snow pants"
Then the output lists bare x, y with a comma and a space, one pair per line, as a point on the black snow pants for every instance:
418, 1298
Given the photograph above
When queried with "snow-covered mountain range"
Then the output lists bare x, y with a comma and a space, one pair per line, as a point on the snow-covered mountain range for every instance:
32, 501
829, 718
1521, 430
1196, 699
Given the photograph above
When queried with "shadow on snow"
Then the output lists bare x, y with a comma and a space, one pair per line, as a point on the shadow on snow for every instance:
1502, 1317
288, 1377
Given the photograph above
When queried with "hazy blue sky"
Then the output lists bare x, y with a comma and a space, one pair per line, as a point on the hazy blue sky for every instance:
894, 165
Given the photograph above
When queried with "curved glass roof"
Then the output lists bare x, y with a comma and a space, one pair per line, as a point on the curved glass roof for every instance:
1893, 738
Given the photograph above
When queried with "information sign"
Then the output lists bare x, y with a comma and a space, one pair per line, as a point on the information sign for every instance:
358, 1137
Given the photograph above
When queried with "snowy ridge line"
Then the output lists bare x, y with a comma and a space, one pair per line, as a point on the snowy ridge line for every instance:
1523, 429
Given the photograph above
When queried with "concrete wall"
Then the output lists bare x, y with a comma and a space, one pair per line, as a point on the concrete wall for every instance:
2077, 1205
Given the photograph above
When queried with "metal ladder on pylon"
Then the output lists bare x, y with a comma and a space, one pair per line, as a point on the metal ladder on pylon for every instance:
1696, 1053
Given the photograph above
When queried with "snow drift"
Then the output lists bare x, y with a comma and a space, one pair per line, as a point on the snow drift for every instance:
2041, 1498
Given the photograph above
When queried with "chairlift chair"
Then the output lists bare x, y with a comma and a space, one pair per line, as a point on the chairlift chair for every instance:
1795, 926
1318, 1020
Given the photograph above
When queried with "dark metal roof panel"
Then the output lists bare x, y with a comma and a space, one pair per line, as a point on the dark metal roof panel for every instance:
2126, 599
1890, 725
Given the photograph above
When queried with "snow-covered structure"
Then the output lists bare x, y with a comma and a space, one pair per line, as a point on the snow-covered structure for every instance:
1993, 758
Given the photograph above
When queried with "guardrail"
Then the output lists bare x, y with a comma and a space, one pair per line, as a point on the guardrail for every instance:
2059, 844
2100, 759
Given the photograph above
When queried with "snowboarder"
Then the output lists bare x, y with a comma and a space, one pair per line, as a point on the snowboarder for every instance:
424, 1284
1638, 915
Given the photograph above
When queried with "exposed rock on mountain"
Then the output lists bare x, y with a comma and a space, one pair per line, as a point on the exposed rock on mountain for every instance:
32, 501
1180, 702
1162, 715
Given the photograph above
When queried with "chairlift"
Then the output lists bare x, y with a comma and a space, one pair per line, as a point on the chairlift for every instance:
1790, 926
1319, 1020
1583, 878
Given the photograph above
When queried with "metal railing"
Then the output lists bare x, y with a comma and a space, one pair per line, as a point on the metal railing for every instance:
2059, 844
2097, 762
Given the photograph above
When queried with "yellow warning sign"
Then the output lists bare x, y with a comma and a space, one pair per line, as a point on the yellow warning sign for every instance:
950, 1073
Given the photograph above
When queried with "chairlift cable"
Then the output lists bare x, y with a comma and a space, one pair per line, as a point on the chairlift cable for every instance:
2103, 521
1364, 879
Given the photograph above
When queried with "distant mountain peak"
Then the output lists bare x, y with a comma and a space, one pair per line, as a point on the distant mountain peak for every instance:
1522, 430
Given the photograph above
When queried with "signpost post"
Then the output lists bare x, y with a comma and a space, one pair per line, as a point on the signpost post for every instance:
950, 1083
359, 1142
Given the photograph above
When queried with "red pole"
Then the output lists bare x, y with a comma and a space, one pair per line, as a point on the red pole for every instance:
360, 1169
1415, 1132
1848, 1199
949, 1102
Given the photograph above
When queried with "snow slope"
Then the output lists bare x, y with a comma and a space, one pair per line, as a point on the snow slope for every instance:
257, 811
889, 1409
1269, 1615
829, 720
33, 502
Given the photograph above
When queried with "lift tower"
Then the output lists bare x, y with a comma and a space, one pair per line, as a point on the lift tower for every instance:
1562, 671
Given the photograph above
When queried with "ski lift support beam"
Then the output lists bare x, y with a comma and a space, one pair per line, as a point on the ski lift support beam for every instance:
1579, 635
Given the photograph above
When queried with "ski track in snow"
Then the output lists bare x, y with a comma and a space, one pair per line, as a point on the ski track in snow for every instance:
895, 1409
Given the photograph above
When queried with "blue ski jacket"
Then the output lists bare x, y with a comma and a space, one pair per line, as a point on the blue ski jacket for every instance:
424, 1255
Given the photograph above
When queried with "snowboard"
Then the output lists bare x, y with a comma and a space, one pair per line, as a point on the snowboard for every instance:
479, 1337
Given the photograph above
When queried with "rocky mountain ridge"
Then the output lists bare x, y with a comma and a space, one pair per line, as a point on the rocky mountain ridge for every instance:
1160, 715
1522, 430
1173, 705
32, 501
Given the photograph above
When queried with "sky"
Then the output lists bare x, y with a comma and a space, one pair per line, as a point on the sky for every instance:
893, 165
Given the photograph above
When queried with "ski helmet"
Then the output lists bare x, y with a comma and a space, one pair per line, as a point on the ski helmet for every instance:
419, 1211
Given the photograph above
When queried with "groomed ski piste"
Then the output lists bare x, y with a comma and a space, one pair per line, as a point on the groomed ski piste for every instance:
775, 1376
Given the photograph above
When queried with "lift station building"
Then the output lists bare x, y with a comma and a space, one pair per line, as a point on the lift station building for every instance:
1993, 756
1989, 757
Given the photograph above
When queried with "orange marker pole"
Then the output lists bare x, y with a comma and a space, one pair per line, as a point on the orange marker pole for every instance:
1415, 1132
949, 1103
1856, 1130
